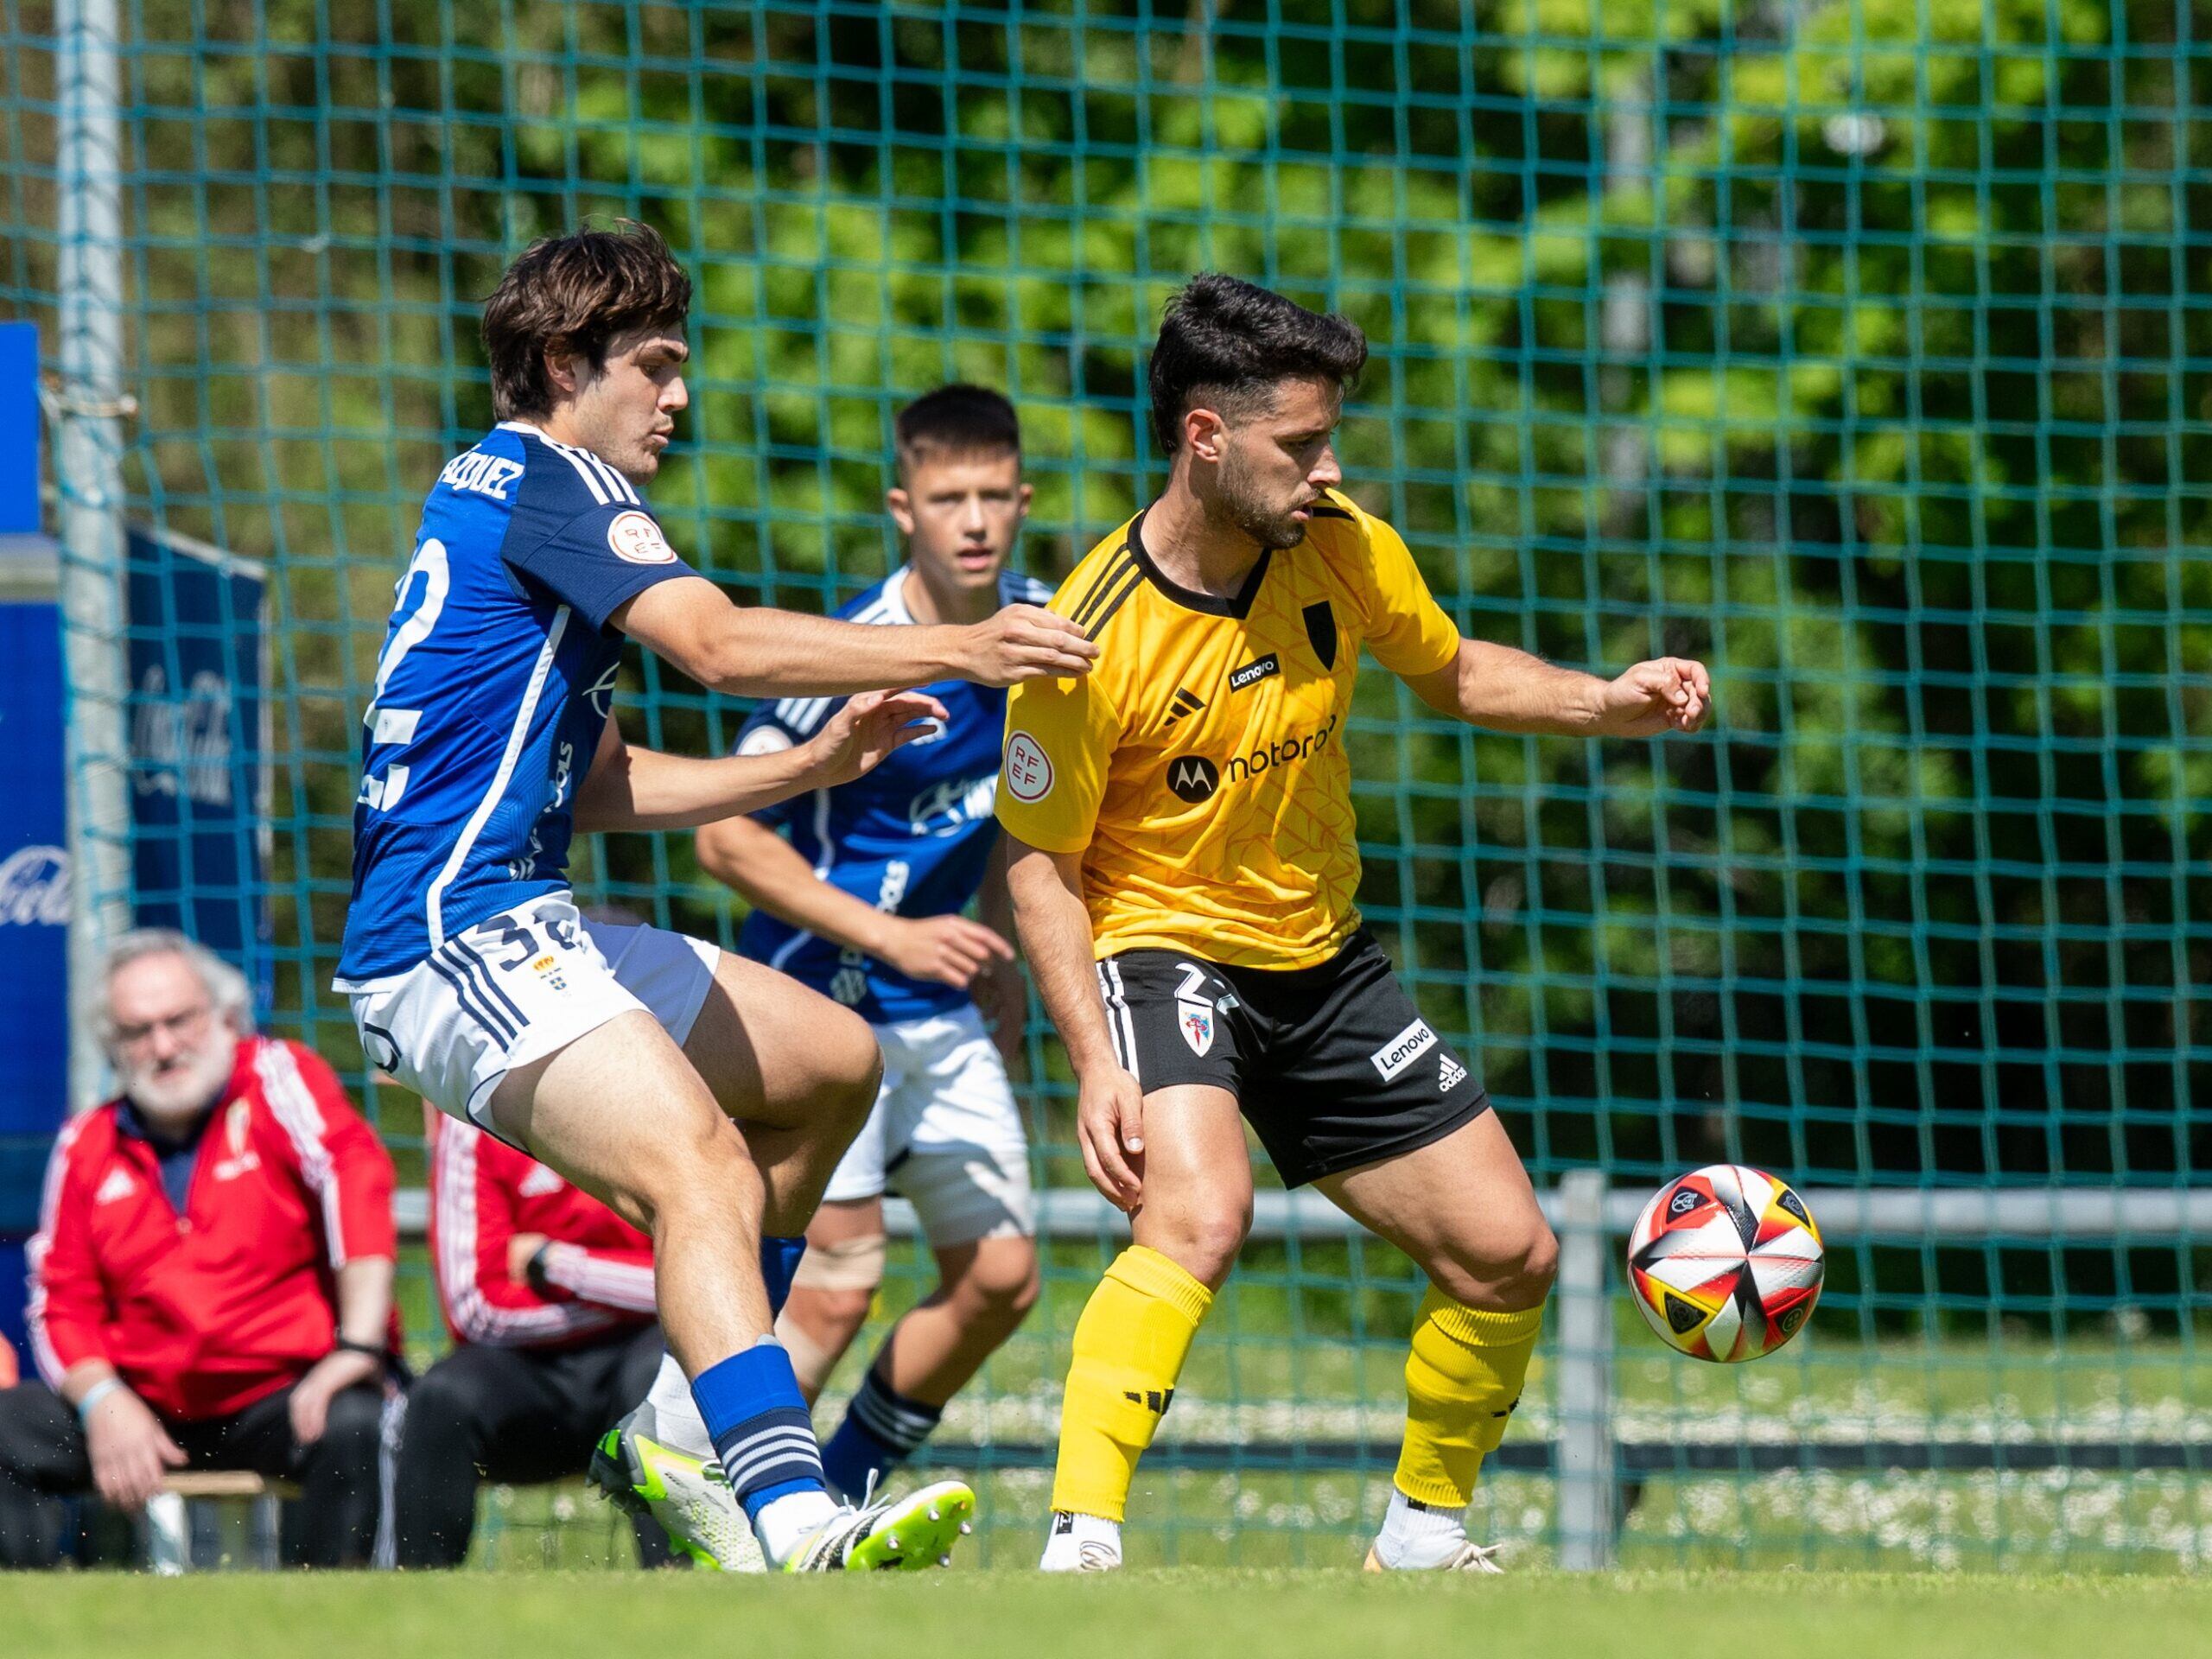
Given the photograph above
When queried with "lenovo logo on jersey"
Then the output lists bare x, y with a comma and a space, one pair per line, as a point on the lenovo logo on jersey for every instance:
1402, 1050
1253, 672
1193, 777
479, 474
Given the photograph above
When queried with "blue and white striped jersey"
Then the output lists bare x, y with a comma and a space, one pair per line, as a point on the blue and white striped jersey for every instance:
913, 837
495, 682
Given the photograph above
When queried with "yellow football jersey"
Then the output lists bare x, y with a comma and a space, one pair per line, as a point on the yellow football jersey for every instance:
1200, 766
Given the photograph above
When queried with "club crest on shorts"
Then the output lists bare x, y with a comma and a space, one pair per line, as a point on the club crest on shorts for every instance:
548, 970
1195, 1020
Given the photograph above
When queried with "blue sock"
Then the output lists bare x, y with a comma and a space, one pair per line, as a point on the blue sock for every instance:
757, 1420
881, 1431
778, 1262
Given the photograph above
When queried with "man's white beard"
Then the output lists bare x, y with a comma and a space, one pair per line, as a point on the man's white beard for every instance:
185, 1090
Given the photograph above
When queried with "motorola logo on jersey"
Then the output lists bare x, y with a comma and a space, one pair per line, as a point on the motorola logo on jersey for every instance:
1268, 756
1193, 778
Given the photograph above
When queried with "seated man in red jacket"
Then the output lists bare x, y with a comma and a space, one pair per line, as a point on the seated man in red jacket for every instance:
550, 1296
211, 1280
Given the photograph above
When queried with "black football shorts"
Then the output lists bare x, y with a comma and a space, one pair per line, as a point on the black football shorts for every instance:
1333, 1066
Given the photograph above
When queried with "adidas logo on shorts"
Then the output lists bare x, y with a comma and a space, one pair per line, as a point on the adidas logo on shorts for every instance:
1448, 1075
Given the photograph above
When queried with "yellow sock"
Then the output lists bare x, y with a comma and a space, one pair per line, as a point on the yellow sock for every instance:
1463, 1380
1129, 1346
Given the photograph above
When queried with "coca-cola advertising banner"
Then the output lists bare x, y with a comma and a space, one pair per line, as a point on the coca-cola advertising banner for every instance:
198, 759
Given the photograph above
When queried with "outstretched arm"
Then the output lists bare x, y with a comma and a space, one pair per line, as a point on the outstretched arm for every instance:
642, 789
752, 651
1508, 691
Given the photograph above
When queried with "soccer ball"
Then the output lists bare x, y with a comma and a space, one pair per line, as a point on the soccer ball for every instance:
1727, 1263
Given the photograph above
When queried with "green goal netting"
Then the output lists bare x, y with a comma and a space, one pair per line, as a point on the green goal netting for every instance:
1862, 348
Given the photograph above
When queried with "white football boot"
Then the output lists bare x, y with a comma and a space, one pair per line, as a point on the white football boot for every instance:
691, 1497
1082, 1543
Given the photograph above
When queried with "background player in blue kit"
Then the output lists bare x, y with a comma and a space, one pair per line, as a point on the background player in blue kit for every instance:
863, 903
704, 1098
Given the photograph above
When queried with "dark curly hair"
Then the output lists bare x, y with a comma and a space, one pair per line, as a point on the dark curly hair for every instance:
1228, 344
576, 293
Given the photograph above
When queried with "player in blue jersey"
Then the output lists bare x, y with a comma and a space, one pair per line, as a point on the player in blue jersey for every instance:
863, 902
706, 1098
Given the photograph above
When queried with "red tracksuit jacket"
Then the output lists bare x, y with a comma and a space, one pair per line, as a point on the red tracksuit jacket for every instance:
599, 1269
205, 1312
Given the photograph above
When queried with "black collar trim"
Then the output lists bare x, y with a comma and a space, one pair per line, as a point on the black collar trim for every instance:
1238, 605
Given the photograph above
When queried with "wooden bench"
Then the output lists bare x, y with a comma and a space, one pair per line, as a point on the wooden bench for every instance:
168, 1521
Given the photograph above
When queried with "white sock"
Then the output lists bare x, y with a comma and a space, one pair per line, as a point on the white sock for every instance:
1072, 1533
1415, 1536
677, 1421
788, 1522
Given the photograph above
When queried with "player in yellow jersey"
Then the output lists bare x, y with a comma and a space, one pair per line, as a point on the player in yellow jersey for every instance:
1184, 866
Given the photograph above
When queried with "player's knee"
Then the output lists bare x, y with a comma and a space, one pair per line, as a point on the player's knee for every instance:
1537, 1266
1000, 1286
848, 1068
842, 1311
1203, 1243
1510, 1274
699, 1164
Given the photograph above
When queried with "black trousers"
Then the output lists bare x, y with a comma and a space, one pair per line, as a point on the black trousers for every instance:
519, 1414
42, 1451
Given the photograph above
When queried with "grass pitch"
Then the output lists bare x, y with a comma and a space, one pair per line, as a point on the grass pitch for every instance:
1218, 1615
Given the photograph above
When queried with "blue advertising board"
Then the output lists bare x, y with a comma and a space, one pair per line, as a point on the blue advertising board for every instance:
197, 751
198, 800
19, 429
34, 866
197, 789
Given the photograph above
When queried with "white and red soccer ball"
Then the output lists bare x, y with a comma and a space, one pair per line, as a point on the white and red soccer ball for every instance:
1725, 1262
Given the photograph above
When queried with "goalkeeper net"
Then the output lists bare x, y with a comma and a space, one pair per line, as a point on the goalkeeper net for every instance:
1862, 349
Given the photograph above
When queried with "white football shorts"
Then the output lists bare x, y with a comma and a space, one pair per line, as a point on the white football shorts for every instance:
945, 1134
515, 989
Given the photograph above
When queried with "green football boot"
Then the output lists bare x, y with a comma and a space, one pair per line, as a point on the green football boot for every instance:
690, 1496
907, 1534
